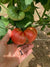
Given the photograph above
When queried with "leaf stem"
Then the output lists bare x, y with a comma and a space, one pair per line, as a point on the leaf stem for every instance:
38, 14
43, 13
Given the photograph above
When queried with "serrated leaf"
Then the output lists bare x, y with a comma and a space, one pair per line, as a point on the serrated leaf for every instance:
2, 28
2, 32
2, 24
28, 2
5, 21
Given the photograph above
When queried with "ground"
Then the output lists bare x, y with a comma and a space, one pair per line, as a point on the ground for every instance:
41, 51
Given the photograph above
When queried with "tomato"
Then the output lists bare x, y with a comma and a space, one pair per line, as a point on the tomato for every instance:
18, 36
30, 33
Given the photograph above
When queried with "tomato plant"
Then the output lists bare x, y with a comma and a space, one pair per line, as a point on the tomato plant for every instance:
21, 15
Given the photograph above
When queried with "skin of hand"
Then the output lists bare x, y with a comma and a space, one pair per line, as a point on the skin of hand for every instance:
10, 55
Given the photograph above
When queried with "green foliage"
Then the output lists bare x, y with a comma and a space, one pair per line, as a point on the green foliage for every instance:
26, 21
14, 15
2, 28
22, 15
5, 21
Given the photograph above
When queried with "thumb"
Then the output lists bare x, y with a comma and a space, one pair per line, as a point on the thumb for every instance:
6, 37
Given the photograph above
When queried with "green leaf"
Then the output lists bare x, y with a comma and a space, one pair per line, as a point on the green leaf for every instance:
2, 28
5, 20
26, 22
23, 24
32, 8
28, 2
24, 7
2, 24
2, 32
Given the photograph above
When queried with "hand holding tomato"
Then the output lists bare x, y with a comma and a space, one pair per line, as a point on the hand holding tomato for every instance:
10, 55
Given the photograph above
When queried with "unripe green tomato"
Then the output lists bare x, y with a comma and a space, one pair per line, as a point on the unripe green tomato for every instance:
4, 1
13, 15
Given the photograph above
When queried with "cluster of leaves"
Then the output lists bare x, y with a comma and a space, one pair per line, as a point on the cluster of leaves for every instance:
28, 7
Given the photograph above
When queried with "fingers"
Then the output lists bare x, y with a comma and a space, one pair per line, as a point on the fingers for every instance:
26, 55
29, 52
28, 48
25, 46
6, 37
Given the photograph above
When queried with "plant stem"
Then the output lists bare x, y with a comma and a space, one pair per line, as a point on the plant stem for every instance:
43, 13
38, 14
3, 6
28, 24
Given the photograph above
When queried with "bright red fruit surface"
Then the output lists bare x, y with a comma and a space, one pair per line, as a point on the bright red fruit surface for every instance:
30, 33
18, 37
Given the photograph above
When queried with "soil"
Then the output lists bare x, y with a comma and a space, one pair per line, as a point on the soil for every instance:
41, 51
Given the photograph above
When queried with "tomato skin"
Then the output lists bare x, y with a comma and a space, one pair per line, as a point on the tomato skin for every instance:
18, 37
30, 34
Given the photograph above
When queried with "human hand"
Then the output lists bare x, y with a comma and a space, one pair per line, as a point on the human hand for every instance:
10, 55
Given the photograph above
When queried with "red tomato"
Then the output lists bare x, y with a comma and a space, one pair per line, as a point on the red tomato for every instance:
30, 34
18, 36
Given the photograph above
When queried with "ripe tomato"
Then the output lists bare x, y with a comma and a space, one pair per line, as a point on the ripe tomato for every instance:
18, 37
30, 34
